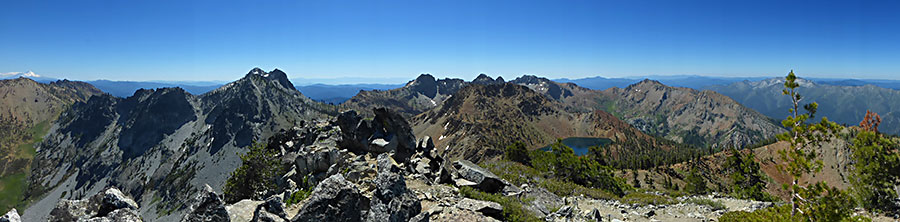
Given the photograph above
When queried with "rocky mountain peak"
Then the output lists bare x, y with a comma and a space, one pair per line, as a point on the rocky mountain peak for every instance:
529, 79
256, 71
425, 84
275, 75
646, 84
485, 79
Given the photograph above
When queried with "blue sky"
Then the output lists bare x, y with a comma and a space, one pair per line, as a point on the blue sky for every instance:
222, 40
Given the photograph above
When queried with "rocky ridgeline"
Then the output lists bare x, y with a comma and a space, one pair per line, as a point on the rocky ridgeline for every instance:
376, 170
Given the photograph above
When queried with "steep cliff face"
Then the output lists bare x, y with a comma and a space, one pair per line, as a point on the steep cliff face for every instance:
161, 146
702, 118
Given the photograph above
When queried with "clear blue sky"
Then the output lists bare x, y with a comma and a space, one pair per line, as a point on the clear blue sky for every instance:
222, 40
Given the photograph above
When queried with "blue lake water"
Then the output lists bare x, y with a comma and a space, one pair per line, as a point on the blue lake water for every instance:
581, 144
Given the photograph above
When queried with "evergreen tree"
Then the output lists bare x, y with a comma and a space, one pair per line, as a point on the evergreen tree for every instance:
695, 182
747, 180
811, 201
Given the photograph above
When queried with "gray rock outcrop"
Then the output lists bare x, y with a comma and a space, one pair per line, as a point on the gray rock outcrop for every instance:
334, 199
109, 205
387, 132
481, 178
208, 206
487, 208
392, 200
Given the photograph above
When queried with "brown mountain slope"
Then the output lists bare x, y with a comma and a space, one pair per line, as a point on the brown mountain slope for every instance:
702, 118
24, 104
477, 122
26, 110
835, 155
29, 102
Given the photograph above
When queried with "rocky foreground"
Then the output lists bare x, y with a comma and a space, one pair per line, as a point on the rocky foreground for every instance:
375, 170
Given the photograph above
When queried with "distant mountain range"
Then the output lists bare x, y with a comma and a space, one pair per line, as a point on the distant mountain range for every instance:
674, 113
843, 104
703, 82
337, 94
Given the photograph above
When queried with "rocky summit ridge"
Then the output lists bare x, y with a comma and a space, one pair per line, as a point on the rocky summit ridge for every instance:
162, 146
371, 175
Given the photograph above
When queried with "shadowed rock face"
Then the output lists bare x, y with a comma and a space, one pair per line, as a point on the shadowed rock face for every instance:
150, 115
97, 113
426, 85
234, 116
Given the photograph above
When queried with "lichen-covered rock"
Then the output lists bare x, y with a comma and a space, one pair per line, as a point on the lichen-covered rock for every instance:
114, 199
334, 199
392, 200
242, 211
484, 180
108, 205
119, 215
208, 206
458, 214
11, 216
487, 208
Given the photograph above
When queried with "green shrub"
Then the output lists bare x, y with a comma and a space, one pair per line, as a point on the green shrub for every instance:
564, 188
515, 173
876, 171
777, 213
298, 196
512, 207
517, 152
695, 182
748, 182
564, 165
259, 170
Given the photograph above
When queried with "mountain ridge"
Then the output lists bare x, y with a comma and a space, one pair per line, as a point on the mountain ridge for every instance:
163, 144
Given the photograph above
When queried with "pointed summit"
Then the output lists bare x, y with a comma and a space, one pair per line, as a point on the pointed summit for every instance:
425, 84
275, 75
256, 71
280, 77
485, 79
